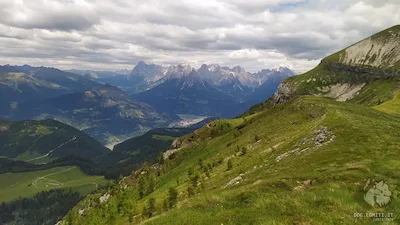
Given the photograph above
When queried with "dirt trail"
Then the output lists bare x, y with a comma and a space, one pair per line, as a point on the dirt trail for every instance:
50, 174
51, 151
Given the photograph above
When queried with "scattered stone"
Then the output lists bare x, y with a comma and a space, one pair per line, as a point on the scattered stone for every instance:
104, 198
296, 151
305, 184
170, 152
332, 138
176, 144
81, 212
304, 141
321, 136
304, 150
234, 181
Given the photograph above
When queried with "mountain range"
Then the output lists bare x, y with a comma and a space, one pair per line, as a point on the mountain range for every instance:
105, 113
97, 102
210, 90
26, 83
324, 146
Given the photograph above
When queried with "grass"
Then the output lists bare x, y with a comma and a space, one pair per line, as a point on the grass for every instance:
392, 106
27, 184
377, 92
366, 146
43, 130
163, 137
322, 185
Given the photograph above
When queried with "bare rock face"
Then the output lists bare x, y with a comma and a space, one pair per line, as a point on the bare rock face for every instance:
176, 144
284, 93
378, 55
379, 50
104, 198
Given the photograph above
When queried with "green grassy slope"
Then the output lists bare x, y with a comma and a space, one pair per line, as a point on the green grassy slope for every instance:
286, 177
392, 106
27, 184
146, 147
44, 141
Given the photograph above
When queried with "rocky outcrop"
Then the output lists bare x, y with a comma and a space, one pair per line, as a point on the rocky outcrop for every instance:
234, 181
341, 92
367, 60
284, 93
104, 198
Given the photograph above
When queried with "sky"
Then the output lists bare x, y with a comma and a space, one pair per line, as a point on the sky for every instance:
255, 34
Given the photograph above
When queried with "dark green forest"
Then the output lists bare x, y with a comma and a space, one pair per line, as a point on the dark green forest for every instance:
45, 208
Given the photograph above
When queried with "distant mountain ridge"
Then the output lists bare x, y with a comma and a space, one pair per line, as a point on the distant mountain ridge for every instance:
106, 113
211, 90
213, 73
26, 83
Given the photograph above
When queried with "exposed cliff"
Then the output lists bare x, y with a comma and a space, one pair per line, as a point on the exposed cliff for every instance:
343, 75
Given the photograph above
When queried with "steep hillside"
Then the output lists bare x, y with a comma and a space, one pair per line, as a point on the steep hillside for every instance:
307, 160
44, 141
352, 71
147, 147
105, 113
305, 156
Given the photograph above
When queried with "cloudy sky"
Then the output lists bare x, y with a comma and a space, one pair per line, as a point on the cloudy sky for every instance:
116, 34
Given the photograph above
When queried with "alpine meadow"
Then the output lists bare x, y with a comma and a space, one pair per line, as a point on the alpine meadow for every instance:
190, 113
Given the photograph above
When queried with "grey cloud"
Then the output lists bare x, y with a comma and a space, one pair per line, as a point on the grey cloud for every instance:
116, 34
50, 15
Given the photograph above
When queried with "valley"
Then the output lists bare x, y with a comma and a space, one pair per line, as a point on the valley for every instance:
187, 120
199, 112
28, 184
303, 149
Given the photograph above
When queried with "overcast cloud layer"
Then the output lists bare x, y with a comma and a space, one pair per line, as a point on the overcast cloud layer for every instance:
116, 34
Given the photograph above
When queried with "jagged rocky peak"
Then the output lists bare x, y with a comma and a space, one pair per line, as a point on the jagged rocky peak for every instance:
284, 70
179, 70
238, 70
212, 73
204, 67
150, 72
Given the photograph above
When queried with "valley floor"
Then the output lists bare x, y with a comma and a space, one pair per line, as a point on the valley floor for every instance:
27, 184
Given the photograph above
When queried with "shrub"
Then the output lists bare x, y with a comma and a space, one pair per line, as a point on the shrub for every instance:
229, 164
172, 197
150, 208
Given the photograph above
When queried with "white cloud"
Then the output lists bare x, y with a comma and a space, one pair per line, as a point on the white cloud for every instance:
106, 34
